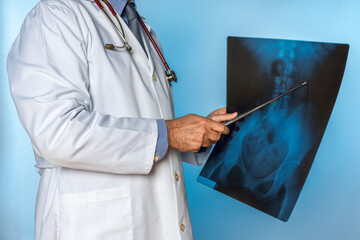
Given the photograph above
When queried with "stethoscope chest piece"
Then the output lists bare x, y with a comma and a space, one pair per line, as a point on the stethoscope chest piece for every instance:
171, 76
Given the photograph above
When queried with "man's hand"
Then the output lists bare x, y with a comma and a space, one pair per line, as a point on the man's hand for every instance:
191, 132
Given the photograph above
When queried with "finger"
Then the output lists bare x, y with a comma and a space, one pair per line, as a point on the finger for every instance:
217, 111
224, 117
226, 131
219, 127
196, 143
213, 136
220, 111
206, 143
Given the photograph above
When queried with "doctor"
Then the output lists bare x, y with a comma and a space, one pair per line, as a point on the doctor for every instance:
102, 125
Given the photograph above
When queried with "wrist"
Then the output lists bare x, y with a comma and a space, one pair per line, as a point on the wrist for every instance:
169, 132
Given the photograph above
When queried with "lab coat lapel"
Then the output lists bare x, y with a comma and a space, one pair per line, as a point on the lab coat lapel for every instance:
148, 46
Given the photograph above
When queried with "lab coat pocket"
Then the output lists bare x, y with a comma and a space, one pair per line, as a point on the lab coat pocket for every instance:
104, 214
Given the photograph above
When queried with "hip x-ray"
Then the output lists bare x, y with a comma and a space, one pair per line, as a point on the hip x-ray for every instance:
266, 158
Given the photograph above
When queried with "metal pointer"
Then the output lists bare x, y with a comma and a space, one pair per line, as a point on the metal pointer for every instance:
263, 105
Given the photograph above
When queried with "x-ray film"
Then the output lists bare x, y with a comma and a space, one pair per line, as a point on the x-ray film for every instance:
266, 158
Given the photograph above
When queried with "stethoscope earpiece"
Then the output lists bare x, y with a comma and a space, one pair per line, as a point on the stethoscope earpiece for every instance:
111, 46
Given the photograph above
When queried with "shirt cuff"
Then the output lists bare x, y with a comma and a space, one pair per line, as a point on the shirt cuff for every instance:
162, 144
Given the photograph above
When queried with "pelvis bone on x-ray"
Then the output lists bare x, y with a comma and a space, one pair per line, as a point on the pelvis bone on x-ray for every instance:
266, 158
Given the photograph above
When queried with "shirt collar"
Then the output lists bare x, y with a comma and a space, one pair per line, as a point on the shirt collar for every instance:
119, 5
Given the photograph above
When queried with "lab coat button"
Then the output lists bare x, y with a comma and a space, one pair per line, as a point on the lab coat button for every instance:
154, 78
156, 158
177, 177
182, 227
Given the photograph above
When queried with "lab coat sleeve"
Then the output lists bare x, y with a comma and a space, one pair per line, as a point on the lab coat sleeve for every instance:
49, 82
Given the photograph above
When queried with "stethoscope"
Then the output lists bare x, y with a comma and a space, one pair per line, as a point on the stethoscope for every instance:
170, 74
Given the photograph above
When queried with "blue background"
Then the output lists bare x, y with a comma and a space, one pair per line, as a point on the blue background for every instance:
193, 34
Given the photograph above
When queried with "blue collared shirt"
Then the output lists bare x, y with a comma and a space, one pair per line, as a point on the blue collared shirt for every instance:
162, 142
118, 5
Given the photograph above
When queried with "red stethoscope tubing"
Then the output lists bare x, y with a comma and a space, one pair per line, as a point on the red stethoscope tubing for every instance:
153, 43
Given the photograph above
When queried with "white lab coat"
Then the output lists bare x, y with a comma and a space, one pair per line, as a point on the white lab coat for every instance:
91, 116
